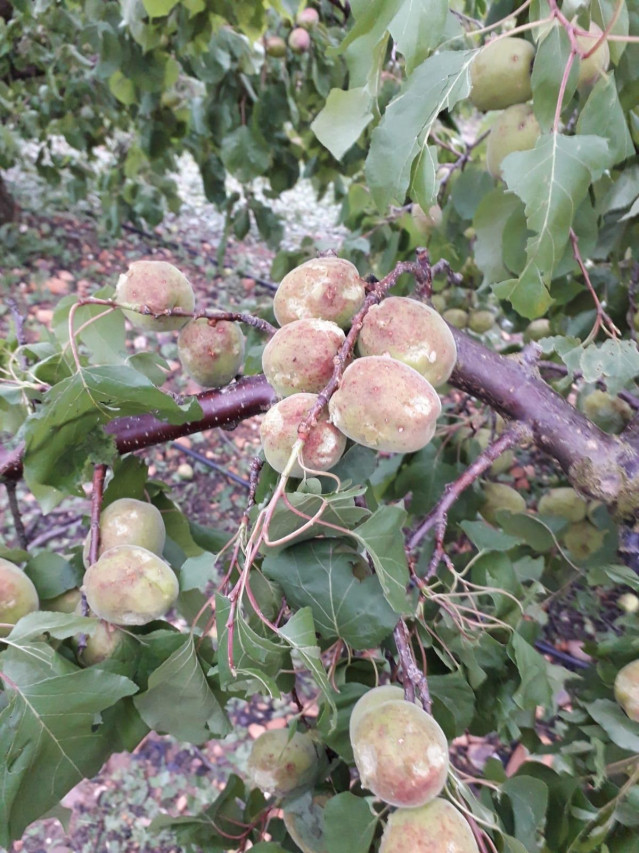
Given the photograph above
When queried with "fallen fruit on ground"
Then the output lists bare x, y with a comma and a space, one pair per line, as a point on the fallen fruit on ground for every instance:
401, 753
437, 827
18, 595
279, 432
627, 689
154, 287
129, 585
516, 129
327, 288
301, 356
281, 763
501, 73
412, 333
385, 404
211, 351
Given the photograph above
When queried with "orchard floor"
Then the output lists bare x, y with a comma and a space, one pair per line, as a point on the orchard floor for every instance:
59, 254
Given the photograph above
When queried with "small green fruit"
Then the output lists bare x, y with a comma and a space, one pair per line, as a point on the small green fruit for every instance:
18, 595
608, 412
481, 321
281, 763
437, 827
499, 496
156, 287
211, 352
64, 603
537, 330
583, 539
516, 129
275, 46
564, 502
627, 689
592, 68
101, 645
128, 521
501, 73
628, 602
457, 317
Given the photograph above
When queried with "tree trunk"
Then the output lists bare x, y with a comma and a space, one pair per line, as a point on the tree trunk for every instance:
8, 206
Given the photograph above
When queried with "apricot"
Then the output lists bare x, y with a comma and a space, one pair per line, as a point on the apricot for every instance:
129, 585
385, 404
500, 74
564, 502
516, 129
301, 356
323, 447
434, 828
537, 329
156, 287
101, 645
583, 539
327, 288
299, 40
211, 351
372, 699
500, 496
281, 763
308, 18
18, 595
592, 68
457, 317
401, 753
481, 321
627, 689
66, 602
128, 521
275, 46
608, 412
411, 332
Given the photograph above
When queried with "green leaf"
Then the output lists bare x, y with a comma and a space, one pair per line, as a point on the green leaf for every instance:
246, 154
52, 574
349, 824
540, 680
59, 625
382, 537
158, 8
437, 84
179, 701
603, 115
342, 119
50, 728
619, 728
319, 574
529, 799
548, 69
492, 215
417, 28
453, 702
488, 538
122, 88
299, 633
617, 361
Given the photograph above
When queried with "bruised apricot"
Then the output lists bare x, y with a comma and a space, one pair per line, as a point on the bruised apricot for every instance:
211, 351
437, 827
411, 332
401, 753
327, 288
129, 585
18, 595
279, 432
281, 763
385, 404
301, 356
501, 74
154, 287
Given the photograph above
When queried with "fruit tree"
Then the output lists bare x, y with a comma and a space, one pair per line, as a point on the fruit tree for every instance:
438, 549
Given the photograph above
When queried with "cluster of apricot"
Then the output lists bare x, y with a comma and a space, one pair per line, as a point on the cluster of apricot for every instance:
501, 80
386, 398
299, 40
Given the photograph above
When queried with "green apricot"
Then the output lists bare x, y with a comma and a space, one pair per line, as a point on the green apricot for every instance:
434, 828
457, 317
305, 824
101, 645
592, 68
627, 689
275, 46
281, 763
64, 603
411, 332
211, 352
301, 356
18, 595
438, 301
537, 330
564, 502
323, 447
481, 321
500, 496
583, 539
501, 73
385, 404
608, 412
157, 287
401, 753
516, 129
327, 288
129, 585
128, 521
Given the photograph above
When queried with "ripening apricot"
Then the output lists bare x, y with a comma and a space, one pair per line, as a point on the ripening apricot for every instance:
501, 74
437, 827
154, 287
129, 585
327, 288
279, 432
401, 753
299, 40
211, 351
413, 333
301, 356
18, 595
516, 129
627, 689
275, 46
371, 700
281, 763
385, 404
308, 18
